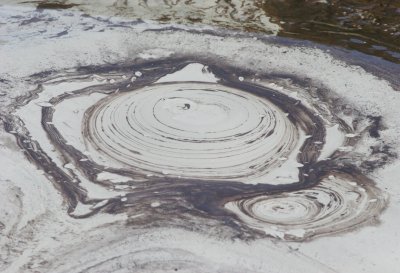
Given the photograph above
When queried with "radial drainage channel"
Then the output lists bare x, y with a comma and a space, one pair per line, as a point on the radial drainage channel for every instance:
196, 138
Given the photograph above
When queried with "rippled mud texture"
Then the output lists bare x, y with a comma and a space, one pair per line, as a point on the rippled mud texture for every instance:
238, 14
178, 149
371, 27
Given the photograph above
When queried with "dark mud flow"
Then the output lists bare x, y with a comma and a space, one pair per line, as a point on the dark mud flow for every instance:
372, 27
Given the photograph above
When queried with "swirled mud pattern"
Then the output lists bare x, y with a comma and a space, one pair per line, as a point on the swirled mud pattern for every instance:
192, 130
333, 205
185, 150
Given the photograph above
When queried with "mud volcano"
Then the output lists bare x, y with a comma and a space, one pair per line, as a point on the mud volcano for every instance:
131, 146
230, 149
